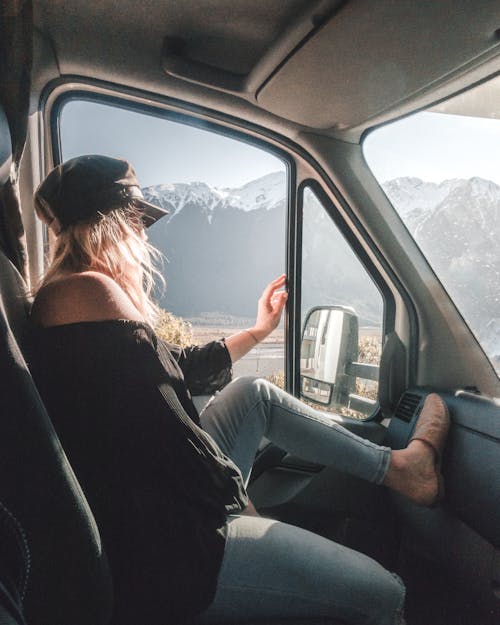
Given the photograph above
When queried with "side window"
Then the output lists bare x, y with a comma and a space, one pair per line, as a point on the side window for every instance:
224, 237
342, 319
439, 169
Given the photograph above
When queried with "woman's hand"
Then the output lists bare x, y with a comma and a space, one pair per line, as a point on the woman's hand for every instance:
270, 307
271, 304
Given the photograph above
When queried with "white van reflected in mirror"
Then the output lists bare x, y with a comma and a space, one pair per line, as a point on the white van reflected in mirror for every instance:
329, 364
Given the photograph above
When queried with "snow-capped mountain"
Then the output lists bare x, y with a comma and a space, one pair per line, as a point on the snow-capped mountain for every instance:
455, 217
223, 245
265, 192
457, 225
412, 194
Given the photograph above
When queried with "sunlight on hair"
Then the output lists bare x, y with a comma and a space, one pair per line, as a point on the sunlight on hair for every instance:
116, 245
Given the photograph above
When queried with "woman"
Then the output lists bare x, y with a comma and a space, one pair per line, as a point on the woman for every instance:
166, 496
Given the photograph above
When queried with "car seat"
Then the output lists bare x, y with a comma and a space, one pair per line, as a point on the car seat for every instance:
14, 568
69, 582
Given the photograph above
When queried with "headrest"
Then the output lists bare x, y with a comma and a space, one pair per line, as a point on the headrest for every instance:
5, 148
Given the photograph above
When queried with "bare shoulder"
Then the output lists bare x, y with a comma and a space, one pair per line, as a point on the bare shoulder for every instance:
86, 296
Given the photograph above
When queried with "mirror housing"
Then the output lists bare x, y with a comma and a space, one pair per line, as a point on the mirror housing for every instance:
329, 346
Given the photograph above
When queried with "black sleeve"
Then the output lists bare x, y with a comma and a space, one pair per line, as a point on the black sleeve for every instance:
206, 368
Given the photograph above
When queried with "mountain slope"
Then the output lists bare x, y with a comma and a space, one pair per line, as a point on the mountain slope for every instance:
223, 245
457, 226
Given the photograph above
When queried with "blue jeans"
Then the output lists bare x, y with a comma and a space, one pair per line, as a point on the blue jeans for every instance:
273, 570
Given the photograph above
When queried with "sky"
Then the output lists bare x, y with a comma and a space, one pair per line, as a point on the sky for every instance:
435, 147
431, 146
162, 151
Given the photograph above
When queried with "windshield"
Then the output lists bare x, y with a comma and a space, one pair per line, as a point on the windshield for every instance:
441, 171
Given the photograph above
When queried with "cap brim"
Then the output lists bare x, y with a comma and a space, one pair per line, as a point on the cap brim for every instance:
150, 212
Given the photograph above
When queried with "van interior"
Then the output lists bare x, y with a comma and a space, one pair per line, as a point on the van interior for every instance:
351, 144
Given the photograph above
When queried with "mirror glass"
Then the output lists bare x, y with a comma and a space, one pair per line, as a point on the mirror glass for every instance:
329, 361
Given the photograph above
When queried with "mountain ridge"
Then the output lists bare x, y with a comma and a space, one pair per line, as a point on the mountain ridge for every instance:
455, 222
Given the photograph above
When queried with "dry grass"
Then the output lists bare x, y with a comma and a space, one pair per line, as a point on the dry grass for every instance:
174, 329
370, 349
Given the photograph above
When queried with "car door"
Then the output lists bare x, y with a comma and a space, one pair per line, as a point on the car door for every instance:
437, 169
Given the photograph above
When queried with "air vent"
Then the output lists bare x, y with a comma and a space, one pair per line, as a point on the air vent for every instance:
407, 406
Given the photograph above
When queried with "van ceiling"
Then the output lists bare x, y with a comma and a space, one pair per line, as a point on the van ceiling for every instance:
335, 65
229, 34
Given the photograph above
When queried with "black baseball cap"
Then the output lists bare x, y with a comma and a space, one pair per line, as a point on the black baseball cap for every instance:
85, 186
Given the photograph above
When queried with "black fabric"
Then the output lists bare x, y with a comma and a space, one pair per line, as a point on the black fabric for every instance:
206, 368
14, 568
219, 478
162, 520
79, 189
69, 580
15, 559
16, 57
10, 610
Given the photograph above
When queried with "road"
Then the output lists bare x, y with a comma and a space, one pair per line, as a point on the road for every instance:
263, 360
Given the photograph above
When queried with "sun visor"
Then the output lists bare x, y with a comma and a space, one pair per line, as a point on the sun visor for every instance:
371, 56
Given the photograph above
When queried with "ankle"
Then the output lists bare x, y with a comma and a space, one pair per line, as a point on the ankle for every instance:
402, 462
397, 465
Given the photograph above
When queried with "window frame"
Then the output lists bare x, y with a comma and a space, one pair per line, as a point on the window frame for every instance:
452, 301
59, 91
349, 234
187, 119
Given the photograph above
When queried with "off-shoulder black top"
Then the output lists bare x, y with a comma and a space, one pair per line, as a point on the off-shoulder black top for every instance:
160, 498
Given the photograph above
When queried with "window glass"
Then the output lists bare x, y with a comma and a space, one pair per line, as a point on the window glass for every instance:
224, 238
342, 319
441, 171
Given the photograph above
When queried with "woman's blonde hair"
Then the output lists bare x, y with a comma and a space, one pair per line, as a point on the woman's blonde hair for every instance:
109, 244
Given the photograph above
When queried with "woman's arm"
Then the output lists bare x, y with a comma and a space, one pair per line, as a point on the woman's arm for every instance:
270, 308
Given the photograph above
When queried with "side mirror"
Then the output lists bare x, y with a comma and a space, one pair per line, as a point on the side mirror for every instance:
330, 371
329, 345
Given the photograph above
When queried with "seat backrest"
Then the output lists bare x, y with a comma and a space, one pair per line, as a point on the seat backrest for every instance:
69, 581
14, 568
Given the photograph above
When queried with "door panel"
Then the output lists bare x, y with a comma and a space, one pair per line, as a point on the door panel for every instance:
463, 534
457, 544
473, 464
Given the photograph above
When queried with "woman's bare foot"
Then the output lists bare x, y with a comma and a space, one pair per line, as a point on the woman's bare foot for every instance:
415, 471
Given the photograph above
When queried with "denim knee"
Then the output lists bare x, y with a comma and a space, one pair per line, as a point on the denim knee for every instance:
252, 385
388, 596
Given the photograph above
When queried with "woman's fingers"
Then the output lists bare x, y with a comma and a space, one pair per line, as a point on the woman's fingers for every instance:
279, 296
273, 286
271, 304
279, 301
277, 283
